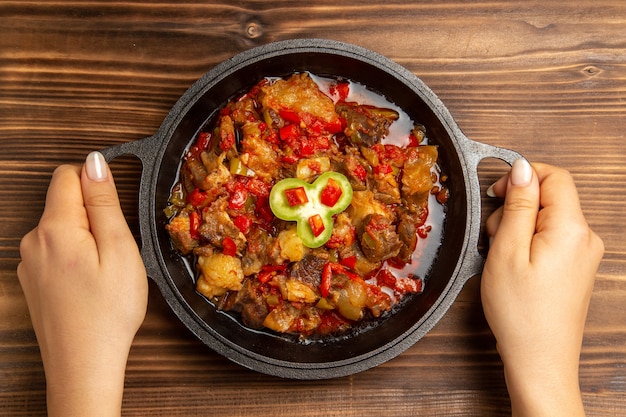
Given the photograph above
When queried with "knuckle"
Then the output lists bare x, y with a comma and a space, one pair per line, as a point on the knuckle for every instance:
101, 199
515, 203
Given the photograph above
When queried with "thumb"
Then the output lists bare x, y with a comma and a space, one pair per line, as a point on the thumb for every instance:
106, 220
513, 235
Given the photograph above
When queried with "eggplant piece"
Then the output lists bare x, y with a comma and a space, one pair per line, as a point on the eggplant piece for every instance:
366, 125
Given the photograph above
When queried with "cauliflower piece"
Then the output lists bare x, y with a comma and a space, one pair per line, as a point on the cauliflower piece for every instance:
219, 273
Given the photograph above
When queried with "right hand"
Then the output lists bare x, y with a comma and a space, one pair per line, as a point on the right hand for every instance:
536, 287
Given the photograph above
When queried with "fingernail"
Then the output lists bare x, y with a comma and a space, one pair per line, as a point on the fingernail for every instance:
96, 167
490, 192
521, 172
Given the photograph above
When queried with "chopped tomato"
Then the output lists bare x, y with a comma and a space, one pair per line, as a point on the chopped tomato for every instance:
194, 225
227, 141
327, 276
408, 285
349, 261
238, 196
258, 187
289, 133
340, 90
197, 197
269, 271
296, 196
360, 173
423, 231
317, 224
243, 223
383, 169
331, 193
289, 116
386, 279
204, 138
229, 247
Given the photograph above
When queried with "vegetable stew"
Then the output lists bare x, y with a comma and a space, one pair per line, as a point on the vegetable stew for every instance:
307, 206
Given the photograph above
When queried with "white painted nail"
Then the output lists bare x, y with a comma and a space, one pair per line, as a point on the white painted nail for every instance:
521, 172
96, 167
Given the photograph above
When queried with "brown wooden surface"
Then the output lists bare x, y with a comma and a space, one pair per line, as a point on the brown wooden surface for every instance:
546, 78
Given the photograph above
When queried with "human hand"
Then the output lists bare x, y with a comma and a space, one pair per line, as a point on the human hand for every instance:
86, 289
536, 287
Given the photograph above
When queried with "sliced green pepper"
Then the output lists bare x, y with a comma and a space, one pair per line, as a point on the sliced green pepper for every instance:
314, 207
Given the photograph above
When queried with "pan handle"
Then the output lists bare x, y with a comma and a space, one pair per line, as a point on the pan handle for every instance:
474, 152
144, 150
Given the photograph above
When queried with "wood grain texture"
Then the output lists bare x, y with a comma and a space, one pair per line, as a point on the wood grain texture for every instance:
545, 78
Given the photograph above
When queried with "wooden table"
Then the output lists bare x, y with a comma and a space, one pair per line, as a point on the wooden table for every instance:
545, 78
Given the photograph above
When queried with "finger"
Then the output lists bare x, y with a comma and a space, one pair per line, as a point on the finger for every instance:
64, 200
558, 194
498, 188
493, 222
516, 227
106, 219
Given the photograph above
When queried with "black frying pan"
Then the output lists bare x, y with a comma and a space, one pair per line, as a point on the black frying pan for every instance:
281, 355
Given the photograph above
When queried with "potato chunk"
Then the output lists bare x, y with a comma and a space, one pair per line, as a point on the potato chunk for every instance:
220, 273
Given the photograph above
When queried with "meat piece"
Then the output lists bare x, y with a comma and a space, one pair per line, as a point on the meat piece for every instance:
178, 229
257, 251
217, 173
217, 225
251, 304
309, 269
379, 240
196, 172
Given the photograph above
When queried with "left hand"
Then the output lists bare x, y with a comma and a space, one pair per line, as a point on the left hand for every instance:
86, 289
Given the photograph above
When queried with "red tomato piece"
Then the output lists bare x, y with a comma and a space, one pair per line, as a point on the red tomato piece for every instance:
327, 275
289, 116
289, 133
350, 261
341, 90
227, 142
296, 196
360, 173
194, 225
383, 169
204, 138
331, 193
238, 196
197, 197
268, 271
317, 224
229, 247
243, 223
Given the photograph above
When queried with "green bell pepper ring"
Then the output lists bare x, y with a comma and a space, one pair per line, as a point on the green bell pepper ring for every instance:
306, 214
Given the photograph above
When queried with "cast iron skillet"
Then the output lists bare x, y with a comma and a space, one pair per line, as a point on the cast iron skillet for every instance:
458, 258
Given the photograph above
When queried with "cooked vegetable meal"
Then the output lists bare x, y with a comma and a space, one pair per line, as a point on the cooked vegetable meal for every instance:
302, 205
